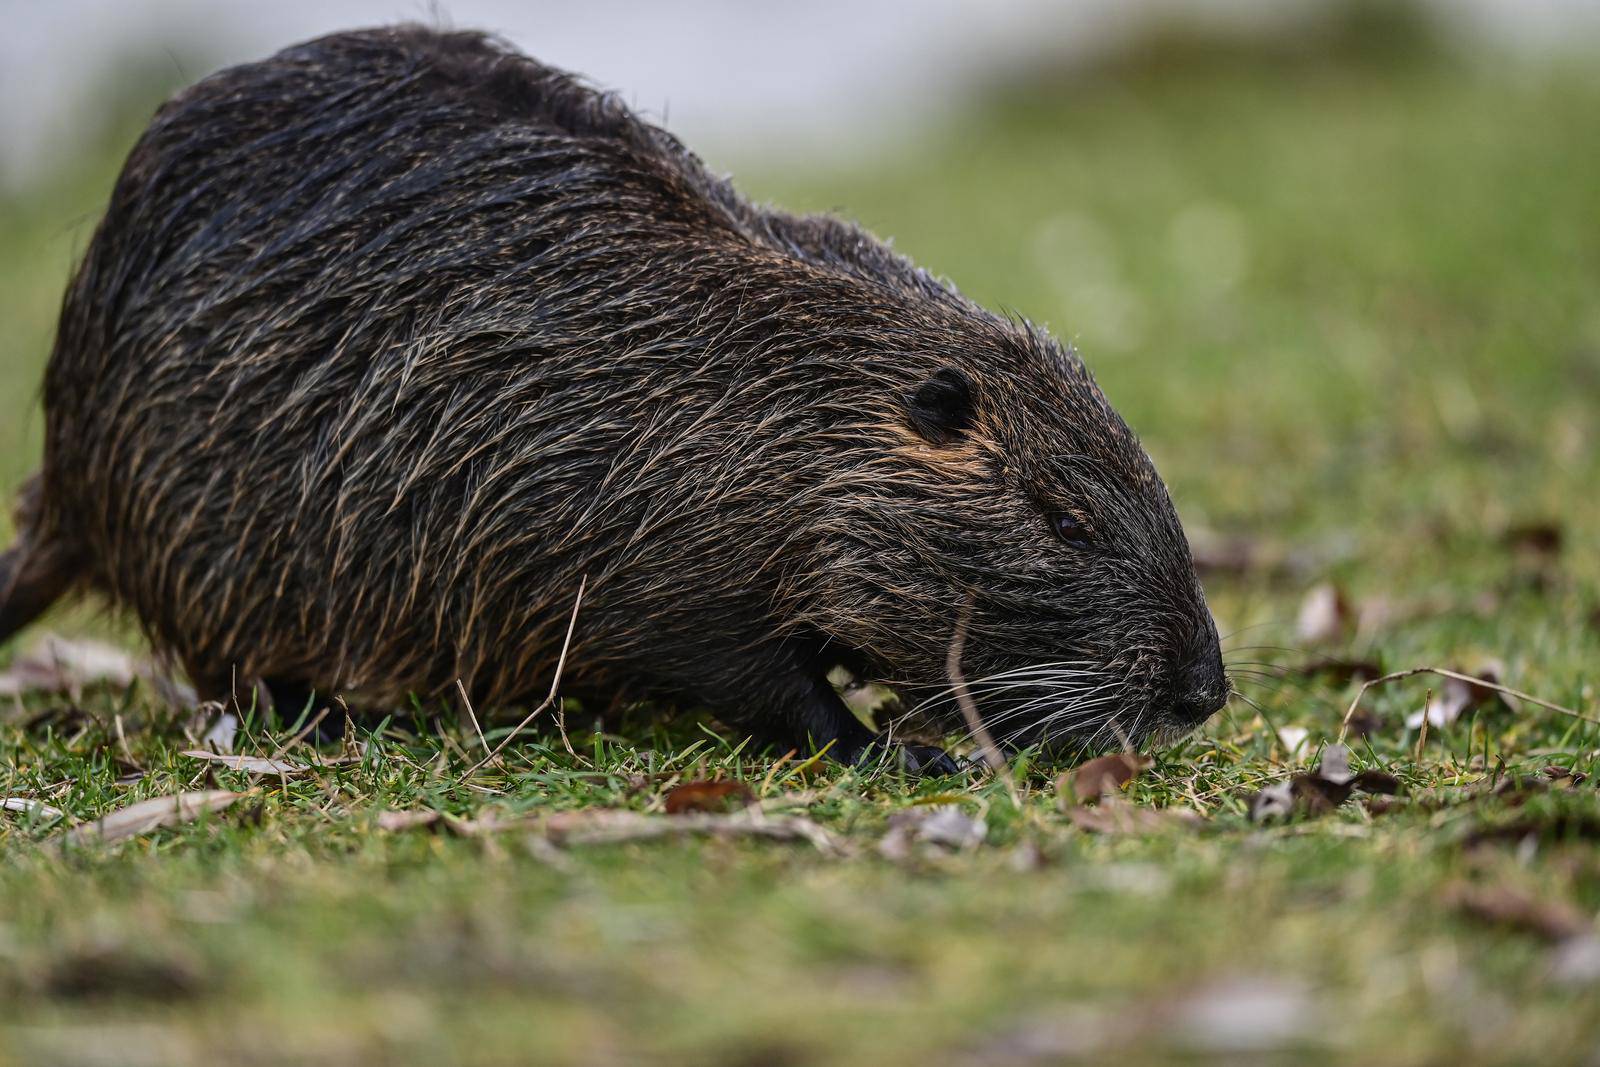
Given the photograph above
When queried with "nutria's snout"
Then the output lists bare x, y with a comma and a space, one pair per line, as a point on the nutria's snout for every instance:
1200, 685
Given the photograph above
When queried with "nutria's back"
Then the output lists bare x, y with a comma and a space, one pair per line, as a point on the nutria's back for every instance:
388, 342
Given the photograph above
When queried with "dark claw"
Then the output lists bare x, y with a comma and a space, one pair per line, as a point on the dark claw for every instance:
923, 761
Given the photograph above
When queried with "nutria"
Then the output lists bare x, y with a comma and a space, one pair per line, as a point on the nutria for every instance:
387, 343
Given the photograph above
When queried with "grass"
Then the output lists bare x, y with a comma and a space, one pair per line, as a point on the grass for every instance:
1350, 308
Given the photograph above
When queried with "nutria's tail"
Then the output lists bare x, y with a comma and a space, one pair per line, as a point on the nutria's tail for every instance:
34, 571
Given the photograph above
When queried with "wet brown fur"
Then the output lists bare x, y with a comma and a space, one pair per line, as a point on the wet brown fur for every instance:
388, 341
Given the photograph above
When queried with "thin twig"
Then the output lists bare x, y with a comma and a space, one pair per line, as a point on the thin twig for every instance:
772, 772
351, 745
302, 733
969, 710
466, 702
561, 728
122, 739
555, 684
1422, 735
1458, 676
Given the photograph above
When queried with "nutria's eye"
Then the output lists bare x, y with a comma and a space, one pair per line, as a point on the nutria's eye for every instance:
1070, 530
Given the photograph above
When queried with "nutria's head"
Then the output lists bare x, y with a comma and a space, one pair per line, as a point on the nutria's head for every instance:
999, 484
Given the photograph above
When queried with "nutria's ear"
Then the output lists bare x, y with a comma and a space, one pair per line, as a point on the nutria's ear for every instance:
942, 407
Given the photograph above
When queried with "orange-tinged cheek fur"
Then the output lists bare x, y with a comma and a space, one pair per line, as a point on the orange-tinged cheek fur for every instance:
871, 616
968, 459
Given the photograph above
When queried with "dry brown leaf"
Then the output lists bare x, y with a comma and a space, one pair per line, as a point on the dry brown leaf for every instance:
1456, 697
1564, 777
1223, 1018
1220, 554
1340, 670
1275, 801
1321, 790
1554, 827
1514, 790
1576, 961
427, 819
1443, 706
406, 820
479, 827
264, 765
1238, 1019
951, 827
708, 796
1115, 816
1089, 781
1335, 765
605, 827
1244, 556
1027, 856
1539, 542
1325, 616
148, 815
1363, 723
933, 829
1476, 684
217, 726
1500, 905
609, 826
1293, 739
123, 971
27, 805
54, 664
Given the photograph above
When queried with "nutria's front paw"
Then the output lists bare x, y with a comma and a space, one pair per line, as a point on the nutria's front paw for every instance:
928, 761
924, 761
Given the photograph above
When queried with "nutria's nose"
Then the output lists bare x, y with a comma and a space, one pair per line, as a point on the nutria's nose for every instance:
1201, 685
